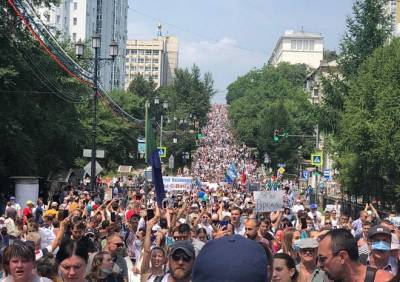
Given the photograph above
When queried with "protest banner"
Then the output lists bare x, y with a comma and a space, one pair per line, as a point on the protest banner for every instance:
177, 184
267, 201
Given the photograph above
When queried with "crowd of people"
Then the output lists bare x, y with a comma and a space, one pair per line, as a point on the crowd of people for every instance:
209, 233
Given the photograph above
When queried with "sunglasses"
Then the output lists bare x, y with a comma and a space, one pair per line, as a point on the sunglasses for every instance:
308, 250
328, 222
119, 244
178, 257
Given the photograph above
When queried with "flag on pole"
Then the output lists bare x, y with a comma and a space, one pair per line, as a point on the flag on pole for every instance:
153, 159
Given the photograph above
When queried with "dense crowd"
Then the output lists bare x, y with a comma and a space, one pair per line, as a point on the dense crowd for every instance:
209, 233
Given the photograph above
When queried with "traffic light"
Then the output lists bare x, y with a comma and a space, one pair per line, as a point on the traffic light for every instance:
276, 135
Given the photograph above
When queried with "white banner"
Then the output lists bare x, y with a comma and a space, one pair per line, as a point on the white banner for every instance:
172, 183
267, 201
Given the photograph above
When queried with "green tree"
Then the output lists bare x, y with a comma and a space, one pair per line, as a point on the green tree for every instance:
367, 29
189, 97
370, 136
39, 124
272, 98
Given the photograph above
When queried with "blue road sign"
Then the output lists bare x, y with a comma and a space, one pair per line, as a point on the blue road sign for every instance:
305, 174
327, 173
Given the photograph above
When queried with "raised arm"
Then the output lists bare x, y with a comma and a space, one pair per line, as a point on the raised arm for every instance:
147, 246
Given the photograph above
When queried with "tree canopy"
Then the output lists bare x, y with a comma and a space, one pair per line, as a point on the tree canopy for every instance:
269, 99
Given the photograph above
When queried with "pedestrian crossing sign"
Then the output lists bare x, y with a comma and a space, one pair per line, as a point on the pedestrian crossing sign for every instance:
162, 151
316, 159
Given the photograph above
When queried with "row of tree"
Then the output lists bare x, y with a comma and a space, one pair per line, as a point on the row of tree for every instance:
360, 113
46, 116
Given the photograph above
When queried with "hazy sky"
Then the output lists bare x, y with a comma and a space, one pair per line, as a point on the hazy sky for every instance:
230, 37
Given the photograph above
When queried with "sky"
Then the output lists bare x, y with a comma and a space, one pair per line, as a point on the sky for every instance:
231, 37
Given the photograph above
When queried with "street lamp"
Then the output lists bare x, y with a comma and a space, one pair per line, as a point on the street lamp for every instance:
79, 48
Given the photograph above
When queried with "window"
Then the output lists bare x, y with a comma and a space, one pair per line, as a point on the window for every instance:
155, 68
58, 18
299, 45
148, 60
148, 52
306, 44
75, 20
293, 43
74, 36
141, 60
311, 45
141, 52
47, 17
147, 69
316, 92
155, 61
75, 5
133, 60
155, 52
133, 52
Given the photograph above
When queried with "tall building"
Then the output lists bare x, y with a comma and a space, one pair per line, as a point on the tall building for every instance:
156, 58
298, 48
80, 19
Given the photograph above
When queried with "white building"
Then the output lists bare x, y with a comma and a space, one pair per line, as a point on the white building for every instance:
80, 19
393, 9
298, 48
156, 58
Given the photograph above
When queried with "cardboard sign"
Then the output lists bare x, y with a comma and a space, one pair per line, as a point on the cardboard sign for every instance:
267, 201
253, 186
177, 183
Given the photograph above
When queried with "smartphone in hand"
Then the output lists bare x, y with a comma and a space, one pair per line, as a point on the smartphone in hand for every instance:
150, 214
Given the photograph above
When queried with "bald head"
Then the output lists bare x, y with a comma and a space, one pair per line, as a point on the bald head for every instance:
251, 228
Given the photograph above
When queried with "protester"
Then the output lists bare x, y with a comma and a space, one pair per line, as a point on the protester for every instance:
19, 263
307, 268
232, 258
338, 257
102, 269
211, 227
72, 258
284, 268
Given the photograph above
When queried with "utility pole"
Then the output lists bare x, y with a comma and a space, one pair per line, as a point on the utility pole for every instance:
93, 159
161, 129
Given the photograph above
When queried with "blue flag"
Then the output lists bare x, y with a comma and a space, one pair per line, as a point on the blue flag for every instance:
155, 162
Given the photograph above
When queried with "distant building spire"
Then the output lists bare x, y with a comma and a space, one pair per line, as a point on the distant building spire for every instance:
159, 27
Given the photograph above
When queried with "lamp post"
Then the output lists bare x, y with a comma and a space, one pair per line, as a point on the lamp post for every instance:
79, 48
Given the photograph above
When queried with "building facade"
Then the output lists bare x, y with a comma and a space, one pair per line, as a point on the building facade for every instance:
156, 59
393, 9
80, 19
298, 48
313, 84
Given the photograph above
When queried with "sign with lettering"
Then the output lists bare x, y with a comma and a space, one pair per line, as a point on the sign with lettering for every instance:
172, 183
267, 201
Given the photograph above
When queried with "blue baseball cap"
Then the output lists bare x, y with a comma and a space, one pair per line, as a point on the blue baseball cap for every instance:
313, 206
232, 258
